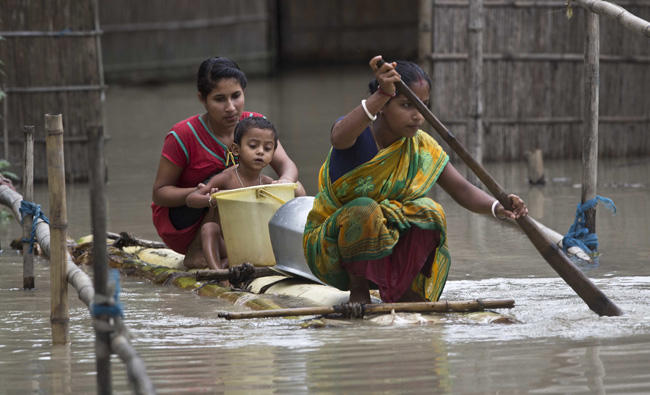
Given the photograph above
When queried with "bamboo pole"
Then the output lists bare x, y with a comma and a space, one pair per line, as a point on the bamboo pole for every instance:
28, 190
623, 16
58, 225
443, 306
5, 123
425, 34
590, 131
475, 69
538, 57
100, 266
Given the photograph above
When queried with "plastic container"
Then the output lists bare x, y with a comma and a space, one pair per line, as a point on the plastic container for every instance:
244, 214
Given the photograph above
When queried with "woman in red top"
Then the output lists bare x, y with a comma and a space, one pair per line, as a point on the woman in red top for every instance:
197, 148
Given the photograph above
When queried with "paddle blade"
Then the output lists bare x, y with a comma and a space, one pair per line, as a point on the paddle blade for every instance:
570, 273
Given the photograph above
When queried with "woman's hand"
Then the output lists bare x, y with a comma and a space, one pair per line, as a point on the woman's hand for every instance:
386, 75
519, 208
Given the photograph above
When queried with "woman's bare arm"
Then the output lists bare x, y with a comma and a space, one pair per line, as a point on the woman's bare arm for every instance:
283, 165
165, 192
475, 199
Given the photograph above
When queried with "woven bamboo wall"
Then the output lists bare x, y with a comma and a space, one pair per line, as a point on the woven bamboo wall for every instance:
156, 40
51, 66
533, 86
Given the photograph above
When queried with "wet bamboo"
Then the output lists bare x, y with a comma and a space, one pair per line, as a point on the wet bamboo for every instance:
100, 265
443, 306
59, 313
590, 111
28, 190
623, 16
225, 274
82, 283
475, 70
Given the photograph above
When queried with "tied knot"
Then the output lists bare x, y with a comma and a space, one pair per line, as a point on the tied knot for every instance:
241, 273
33, 209
350, 310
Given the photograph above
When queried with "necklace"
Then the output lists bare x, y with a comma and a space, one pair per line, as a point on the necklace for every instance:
230, 157
239, 178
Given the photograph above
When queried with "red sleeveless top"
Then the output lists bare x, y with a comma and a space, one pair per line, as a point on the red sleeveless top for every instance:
191, 147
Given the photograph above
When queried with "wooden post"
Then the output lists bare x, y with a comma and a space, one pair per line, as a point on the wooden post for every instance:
59, 314
590, 131
28, 195
425, 35
100, 266
535, 167
475, 68
5, 124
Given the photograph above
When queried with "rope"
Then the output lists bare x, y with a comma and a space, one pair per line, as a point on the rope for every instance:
104, 305
33, 209
578, 234
350, 310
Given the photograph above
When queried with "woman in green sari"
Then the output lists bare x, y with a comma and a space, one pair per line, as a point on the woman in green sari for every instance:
371, 222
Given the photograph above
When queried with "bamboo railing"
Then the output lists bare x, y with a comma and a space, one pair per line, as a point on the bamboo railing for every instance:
82, 283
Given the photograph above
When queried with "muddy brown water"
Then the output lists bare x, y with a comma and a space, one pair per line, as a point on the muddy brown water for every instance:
557, 345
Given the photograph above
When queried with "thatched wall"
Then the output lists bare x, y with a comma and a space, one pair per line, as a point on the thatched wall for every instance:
50, 54
533, 78
158, 40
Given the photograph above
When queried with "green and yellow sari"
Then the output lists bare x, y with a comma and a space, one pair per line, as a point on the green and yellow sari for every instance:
361, 215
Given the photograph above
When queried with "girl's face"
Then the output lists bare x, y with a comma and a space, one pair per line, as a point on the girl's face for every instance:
224, 104
402, 117
256, 149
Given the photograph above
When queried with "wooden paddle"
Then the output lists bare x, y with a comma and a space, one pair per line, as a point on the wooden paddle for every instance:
595, 298
442, 306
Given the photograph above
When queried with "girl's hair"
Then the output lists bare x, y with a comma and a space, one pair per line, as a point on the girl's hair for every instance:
247, 124
212, 70
410, 73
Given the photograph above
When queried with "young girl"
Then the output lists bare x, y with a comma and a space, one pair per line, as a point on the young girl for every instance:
371, 221
254, 143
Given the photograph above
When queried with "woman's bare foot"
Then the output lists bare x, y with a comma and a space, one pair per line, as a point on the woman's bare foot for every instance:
359, 290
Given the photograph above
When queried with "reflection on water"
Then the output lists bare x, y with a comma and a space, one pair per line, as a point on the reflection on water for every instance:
558, 346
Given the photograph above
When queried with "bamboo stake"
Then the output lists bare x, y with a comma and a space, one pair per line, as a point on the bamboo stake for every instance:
590, 131
58, 223
425, 17
475, 69
443, 306
623, 16
28, 190
5, 123
100, 266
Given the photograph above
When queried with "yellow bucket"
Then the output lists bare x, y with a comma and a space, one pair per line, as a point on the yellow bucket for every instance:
244, 214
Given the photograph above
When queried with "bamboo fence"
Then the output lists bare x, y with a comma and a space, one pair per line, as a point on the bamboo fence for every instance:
532, 86
168, 40
52, 64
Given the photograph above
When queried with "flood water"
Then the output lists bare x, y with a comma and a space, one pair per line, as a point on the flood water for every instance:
556, 345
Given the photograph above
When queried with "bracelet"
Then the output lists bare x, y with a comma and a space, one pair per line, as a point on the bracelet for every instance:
494, 205
383, 92
370, 116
